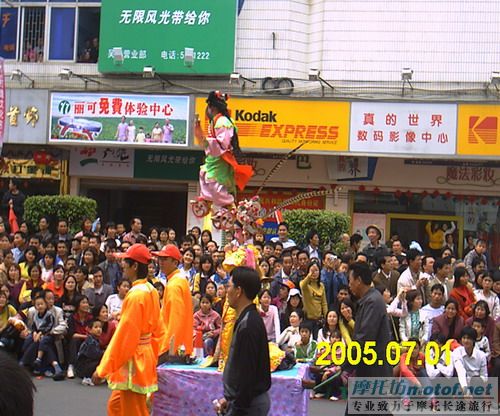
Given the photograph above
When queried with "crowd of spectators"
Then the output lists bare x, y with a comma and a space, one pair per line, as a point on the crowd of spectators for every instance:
61, 296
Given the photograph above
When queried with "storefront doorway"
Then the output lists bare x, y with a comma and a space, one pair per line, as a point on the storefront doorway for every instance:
156, 207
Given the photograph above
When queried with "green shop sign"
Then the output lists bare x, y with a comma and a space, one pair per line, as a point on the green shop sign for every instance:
167, 164
188, 37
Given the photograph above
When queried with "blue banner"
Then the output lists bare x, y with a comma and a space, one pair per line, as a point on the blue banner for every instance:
8, 33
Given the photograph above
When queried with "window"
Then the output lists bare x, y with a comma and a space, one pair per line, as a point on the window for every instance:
33, 34
58, 30
88, 34
62, 33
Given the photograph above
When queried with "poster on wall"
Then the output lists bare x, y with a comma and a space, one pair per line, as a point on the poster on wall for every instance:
362, 220
119, 119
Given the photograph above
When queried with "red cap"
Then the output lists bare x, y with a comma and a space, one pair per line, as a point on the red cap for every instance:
288, 284
169, 251
136, 252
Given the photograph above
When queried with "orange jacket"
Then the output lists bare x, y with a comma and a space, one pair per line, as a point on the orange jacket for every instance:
177, 313
130, 360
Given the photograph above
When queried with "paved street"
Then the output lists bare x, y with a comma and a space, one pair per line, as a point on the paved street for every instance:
70, 398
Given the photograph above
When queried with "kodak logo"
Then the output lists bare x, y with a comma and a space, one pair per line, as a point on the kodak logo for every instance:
260, 116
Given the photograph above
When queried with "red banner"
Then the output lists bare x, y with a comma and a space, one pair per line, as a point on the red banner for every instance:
2, 102
271, 198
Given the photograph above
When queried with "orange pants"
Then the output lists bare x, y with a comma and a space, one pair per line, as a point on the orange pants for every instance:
127, 403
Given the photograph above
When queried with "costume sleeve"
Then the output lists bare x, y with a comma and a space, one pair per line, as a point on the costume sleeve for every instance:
126, 338
196, 282
175, 322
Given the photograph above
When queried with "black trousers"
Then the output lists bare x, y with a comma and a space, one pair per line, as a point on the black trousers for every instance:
259, 407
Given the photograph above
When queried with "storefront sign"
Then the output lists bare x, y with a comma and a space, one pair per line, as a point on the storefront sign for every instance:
406, 128
459, 163
26, 118
110, 162
351, 168
483, 177
188, 37
119, 119
284, 124
479, 130
167, 164
29, 169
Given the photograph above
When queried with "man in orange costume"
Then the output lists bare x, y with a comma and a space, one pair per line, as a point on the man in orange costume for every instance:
177, 309
129, 363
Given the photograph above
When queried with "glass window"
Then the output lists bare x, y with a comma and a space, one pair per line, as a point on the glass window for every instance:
88, 34
33, 34
8, 33
62, 33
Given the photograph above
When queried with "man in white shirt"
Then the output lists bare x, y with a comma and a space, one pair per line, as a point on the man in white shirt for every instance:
433, 309
283, 236
412, 277
468, 360
442, 273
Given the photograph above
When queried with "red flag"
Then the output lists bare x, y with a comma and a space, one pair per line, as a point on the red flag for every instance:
279, 216
14, 227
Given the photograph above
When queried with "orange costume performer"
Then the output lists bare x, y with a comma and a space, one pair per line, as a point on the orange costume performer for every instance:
177, 309
129, 363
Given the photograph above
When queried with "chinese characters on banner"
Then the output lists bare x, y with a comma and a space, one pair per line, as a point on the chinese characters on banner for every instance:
29, 169
188, 37
478, 176
2, 102
407, 128
119, 119
165, 17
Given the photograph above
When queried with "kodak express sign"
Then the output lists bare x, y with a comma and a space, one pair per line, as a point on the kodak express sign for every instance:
479, 129
284, 124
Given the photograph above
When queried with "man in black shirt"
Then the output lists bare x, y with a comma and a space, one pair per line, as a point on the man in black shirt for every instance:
372, 323
15, 197
247, 374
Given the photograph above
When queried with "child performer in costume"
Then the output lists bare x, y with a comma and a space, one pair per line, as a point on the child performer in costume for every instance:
237, 255
129, 363
221, 174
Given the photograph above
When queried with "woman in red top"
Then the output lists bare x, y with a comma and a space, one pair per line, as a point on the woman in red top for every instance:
462, 293
78, 325
57, 285
108, 325
415, 366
